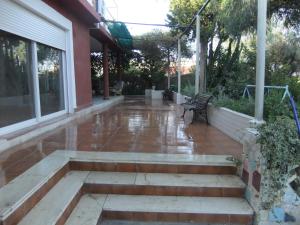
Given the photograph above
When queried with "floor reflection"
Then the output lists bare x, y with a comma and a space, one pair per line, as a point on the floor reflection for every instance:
137, 125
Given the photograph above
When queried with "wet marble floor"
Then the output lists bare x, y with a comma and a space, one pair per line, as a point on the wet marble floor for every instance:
136, 125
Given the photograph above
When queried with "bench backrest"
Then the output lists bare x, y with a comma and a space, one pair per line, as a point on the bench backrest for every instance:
202, 100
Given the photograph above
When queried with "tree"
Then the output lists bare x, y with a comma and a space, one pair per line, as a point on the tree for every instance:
153, 54
224, 25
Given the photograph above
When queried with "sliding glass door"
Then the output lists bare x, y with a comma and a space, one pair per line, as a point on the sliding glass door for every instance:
31, 81
16, 83
50, 73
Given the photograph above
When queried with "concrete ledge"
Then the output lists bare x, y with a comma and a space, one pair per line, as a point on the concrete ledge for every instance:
229, 122
38, 130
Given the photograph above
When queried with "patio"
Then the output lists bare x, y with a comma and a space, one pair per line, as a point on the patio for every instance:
136, 125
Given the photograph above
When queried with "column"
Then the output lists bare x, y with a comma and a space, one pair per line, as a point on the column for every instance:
105, 71
260, 59
179, 66
119, 67
197, 73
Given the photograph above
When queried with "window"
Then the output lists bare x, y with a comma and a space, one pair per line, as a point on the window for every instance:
16, 84
50, 73
31, 80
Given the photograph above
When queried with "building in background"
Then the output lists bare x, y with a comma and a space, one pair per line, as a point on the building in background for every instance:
45, 68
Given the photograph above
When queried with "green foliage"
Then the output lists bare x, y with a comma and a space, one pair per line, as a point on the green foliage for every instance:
294, 87
274, 106
280, 148
242, 105
188, 90
154, 52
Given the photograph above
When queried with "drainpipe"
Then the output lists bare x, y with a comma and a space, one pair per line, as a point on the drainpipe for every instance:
179, 66
197, 73
105, 71
260, 60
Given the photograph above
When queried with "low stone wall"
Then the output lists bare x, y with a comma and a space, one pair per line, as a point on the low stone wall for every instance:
179, 98
229, 122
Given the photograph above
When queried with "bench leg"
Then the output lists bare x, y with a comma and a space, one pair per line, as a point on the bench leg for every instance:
206, 117
184, 110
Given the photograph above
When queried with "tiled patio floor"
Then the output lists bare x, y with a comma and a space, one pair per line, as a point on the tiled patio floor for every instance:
137, 125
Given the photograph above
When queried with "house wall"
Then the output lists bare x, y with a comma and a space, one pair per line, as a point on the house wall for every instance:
82, 63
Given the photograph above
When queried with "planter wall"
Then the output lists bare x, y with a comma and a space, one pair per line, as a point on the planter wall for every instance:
179, 98
229, 122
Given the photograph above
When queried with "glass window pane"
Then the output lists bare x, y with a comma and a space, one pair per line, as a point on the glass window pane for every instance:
16, 85
50, 74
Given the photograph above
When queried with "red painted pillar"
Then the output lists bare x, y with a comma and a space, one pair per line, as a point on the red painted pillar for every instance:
105, 71
119, 67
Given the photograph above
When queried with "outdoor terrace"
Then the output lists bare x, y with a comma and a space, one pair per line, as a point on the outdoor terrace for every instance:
136, 125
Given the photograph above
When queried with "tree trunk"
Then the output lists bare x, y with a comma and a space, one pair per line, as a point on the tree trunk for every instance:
203, 60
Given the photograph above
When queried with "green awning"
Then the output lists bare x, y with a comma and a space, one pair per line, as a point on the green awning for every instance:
120, 32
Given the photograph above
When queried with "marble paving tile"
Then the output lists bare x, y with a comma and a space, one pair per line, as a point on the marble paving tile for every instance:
207, 205
49, 210
111, 178
189, 180
87, 211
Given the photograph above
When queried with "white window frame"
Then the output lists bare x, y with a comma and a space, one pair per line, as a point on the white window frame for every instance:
46, 12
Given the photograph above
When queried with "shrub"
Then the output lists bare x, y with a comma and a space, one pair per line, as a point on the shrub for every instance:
242, 105
280, 148
274, 106
188, 90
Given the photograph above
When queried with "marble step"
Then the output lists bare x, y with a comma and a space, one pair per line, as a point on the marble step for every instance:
164, 184
150, 162
58, 203
127, 222
26, 190
87, 211
181, 209
178, 209
22, 194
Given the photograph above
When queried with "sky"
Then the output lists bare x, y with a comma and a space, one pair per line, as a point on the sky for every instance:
141, 11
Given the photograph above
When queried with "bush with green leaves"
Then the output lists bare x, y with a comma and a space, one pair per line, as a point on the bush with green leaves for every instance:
280, 149
275, 106
188, 90
242, 105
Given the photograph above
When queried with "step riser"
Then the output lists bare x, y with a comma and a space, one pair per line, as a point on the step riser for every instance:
152, 168
177, 217
162, 190
68, 210
17, 215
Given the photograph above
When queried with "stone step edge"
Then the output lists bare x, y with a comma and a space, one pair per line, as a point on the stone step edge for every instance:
138, 167
177, 217
59, 197
153, 215
162, 190
22, 206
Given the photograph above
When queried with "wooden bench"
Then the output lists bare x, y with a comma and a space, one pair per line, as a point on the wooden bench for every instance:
198, 104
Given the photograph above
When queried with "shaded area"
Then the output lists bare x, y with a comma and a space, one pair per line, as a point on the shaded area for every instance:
136, 125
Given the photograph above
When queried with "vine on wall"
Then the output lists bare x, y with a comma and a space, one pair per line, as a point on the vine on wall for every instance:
280, 149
